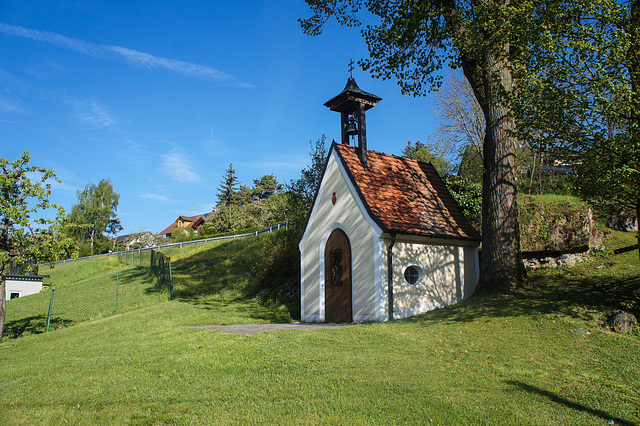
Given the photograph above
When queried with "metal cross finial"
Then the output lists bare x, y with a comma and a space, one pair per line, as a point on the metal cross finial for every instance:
351, 68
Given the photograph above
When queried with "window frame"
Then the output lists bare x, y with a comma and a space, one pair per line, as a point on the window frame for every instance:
421, 274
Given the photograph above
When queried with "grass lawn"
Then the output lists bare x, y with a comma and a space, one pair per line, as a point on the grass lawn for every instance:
508, 359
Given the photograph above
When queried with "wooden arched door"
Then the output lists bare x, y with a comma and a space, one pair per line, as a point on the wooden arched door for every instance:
337, 281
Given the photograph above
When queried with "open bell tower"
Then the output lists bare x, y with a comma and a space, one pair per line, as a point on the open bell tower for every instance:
352, 103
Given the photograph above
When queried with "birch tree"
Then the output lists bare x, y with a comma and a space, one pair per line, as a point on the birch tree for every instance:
95, 214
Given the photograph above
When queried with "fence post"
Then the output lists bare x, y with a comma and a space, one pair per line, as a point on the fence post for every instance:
170, 280
117, 290
49, 314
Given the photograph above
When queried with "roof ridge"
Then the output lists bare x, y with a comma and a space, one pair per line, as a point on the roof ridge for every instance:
408, 197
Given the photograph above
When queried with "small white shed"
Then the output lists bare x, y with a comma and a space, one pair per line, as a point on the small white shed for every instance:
22, 285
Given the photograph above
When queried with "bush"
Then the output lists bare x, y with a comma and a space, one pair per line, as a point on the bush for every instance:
279, 265
468, 195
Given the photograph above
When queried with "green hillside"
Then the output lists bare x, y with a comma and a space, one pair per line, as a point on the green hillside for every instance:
519, 358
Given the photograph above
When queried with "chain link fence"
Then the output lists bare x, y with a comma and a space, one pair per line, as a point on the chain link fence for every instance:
118, 290
160, 265
123, 281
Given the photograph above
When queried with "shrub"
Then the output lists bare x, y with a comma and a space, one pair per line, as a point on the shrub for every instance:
279, 264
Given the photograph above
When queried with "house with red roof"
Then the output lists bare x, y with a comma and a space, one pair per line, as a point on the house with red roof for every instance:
184, 223
384, 238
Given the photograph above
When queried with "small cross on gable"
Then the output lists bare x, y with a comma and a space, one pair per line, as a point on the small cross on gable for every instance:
351, 68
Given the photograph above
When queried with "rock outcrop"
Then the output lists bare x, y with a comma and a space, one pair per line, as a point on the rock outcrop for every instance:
623, 222
557, 226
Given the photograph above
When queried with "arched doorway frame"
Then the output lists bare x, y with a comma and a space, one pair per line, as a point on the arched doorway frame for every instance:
325, 237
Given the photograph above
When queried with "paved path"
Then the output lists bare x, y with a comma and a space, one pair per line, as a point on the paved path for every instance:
259, 328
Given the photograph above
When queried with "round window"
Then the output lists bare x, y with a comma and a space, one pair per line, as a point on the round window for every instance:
412, 274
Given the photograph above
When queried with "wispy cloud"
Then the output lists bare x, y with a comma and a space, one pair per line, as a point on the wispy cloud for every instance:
11, 106
179, 168
157, 197
93, 113
131, 56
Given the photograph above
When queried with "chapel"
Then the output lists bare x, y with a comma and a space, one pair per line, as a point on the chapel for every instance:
384, 238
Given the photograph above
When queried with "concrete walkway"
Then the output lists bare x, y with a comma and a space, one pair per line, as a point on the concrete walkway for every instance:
259, 328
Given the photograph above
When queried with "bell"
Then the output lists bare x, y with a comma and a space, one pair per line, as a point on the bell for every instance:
351, 127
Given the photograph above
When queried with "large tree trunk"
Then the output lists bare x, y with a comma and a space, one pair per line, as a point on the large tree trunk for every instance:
501, 264
634, 72
638, 222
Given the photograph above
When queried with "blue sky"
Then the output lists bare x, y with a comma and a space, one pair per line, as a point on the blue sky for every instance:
160, 96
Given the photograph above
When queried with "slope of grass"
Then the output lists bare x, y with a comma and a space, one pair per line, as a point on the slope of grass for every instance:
82, 291
517, 358
214, 276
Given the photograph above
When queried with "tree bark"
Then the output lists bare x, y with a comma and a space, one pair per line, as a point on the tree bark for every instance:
501, 264
634, 71
638, 222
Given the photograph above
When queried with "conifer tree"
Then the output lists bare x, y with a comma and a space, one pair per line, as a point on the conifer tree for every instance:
228, 189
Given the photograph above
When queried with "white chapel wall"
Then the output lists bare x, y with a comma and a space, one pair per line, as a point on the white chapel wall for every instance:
347, 215
442, 280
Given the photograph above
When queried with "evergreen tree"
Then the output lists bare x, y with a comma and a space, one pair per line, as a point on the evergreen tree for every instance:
228, 191
265, 187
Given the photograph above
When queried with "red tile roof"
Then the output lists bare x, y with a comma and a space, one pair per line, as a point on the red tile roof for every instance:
405, 196
189, 222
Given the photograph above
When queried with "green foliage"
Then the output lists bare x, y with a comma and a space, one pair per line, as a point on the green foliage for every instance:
241, 207
470, 167
181, 234
265, 187
228, 191
94, 217
27, 238
468, 195
427, 153
279, 264
581, 96
302, 190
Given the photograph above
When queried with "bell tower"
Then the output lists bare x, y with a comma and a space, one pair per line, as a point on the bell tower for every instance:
352, 103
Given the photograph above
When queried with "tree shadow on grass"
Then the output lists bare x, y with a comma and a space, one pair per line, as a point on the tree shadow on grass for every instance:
142, 273
225, 267
242, 306
32, 325
568, 403
549, 292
